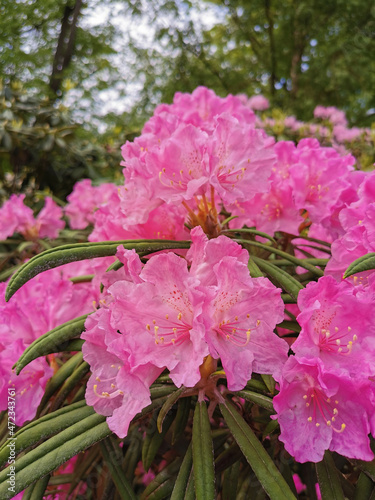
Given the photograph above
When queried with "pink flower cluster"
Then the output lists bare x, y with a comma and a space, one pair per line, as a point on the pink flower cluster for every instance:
326, 394
307, 179
195, 157
84, 200
358, 236
164, 315
198, 162
40, 305
198, 158
16, 217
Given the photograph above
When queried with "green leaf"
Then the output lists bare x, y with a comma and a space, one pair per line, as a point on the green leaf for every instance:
203, 456
70, 383
367, 467
259, 399
36, 491
49, 455
154, 439
228, 457
59, 378
255, 272
182, 417
162, 485
58, 256
254, 232
134, 452
290, 325
364, 263
266, 471
328, 479
270, 382
285, 255
364, 487
113, 458
286, 281
45, 427
168, 405
51, 341
180, 486
230, 481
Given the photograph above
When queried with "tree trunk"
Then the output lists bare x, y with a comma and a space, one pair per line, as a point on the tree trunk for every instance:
65, 45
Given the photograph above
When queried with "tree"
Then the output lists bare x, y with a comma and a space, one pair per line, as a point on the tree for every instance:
297, 53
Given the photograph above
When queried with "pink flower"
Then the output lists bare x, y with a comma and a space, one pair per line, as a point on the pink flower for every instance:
161, 315
332, 114
319, 176
117, 221
240, 314
84, 200
358, 220
319, 410
17, 217
29, 385
275, 209
337, 326
180, 166
241, 159
115, 389
300, 487
201, 107
258, 103
40, 305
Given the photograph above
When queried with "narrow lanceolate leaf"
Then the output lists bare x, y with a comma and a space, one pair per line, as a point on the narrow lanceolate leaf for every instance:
290, 325
113, 461
36, 491
254, 232
70, 383
203, 455
182, 417
154, 439
230, 482
286, 281
298, 262
259, 399
49, 455
255, 272
180, 486
59, 378
367, 467
167, 406
51, 341
364, 263
162, 485
364, 487
328, 479
266, 471
58, 256
45, 427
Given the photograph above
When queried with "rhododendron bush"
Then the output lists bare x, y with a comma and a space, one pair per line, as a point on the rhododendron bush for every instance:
204, 329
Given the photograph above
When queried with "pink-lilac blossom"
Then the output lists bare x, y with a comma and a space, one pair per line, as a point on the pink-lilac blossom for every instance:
84, 200
163, 315
43, 303
325, 409
16, 217
337, 326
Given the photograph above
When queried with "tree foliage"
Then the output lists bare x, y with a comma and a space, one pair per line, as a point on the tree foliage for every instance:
297, 53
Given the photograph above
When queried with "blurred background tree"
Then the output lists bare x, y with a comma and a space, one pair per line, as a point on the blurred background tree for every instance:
80, 77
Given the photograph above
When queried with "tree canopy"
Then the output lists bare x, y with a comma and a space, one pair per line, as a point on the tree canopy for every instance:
297, 53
